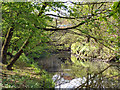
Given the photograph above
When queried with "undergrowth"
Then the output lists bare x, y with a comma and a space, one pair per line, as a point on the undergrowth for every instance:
26, 75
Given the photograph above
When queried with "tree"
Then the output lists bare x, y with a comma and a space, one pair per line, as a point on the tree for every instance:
116, 15
88, 21
19, 16
24, 22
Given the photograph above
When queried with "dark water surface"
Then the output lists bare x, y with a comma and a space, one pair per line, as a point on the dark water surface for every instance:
96, 74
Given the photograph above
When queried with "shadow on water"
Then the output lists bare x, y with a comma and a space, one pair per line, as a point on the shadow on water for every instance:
96, 74
53, 62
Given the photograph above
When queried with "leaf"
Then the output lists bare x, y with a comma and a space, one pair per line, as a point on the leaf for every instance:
105, 18
96, 10
100, 18
38, 8
83, 64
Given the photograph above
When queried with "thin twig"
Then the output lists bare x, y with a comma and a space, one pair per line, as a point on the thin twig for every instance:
81, 86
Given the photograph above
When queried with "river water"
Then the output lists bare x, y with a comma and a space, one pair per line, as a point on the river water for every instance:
81, 74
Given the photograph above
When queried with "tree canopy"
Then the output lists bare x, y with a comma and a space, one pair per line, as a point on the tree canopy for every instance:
27, 27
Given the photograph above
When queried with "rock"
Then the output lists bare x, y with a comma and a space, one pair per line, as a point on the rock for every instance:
72, 84
64, 81
55, 77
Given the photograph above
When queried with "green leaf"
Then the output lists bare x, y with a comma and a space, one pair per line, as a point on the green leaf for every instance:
83, 64
105, 18
38, 8
96, 10
100, 18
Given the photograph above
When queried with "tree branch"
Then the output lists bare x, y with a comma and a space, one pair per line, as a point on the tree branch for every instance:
68, 17
43, 8
55, 29
81, 86
73, 27
76, 17
90, 3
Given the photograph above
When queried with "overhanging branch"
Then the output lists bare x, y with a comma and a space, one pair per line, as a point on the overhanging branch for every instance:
73, 27
90, 3
68, 17
78, 17
55, 29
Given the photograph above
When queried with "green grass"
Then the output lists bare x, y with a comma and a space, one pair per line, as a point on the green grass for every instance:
24, 76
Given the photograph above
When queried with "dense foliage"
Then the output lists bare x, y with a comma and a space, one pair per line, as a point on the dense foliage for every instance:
33, 30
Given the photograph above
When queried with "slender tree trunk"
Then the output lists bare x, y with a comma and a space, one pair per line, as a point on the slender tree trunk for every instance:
17, 55
5, 45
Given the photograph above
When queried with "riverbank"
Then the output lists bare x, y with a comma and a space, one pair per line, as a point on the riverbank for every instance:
89, 75
25, 77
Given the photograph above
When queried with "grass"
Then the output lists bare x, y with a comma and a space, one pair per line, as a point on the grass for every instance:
25, 76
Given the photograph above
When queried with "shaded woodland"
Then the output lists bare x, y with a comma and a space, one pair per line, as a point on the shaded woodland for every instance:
31, 31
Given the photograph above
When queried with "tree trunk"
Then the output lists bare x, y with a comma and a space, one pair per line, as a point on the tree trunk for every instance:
5, 45
17, 55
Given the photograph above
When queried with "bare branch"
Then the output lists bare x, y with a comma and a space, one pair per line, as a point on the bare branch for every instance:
55, 29
73, 27
81, 86
90, 3
78, 17
67, 17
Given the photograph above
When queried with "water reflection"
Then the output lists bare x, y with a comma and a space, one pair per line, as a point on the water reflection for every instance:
97, 74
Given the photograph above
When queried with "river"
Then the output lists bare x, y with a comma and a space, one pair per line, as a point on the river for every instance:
81, 74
